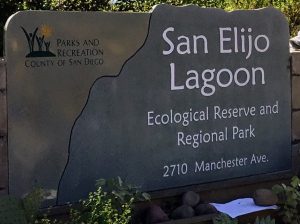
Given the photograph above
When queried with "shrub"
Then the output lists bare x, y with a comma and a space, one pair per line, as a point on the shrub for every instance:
101, 208
289, 199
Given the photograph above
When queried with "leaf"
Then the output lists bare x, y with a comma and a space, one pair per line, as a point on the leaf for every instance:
295, 182
100, 182
118, 195
294, 195
257, 220
120, 182
277, 189
146, 196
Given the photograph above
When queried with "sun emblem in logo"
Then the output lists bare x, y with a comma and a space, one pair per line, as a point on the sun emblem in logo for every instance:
46, 31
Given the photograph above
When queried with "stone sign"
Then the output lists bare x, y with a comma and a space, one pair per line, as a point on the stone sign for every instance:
197, 96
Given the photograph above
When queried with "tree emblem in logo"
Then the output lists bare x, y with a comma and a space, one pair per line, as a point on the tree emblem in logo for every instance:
42, 49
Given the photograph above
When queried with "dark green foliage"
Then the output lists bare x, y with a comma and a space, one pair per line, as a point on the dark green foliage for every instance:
100, 207
20, 211
224, 219
264, 220
11, 211
80, 5
110, 204
289, 200
31, 204
122, 191
113, 206
35, 4
146, 6
291, 9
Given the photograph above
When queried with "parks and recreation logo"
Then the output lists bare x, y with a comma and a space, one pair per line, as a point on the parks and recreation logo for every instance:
38, 45
43, 50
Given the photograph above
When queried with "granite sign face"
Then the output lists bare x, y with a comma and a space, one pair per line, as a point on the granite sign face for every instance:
198, 96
